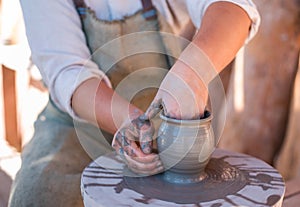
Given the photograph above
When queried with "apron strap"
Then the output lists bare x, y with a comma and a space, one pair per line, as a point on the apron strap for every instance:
147, 5
149, 11
79, 3
80, 7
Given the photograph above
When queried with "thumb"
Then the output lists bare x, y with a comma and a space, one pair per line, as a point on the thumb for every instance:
153, 109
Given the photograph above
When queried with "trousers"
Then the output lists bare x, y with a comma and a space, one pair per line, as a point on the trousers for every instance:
52, 162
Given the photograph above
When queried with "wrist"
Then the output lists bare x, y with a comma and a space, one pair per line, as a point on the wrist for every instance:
134, 113
196, 60
191, 78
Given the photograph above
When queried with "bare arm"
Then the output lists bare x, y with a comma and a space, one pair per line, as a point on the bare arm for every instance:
223, 32
93, 100
225, 27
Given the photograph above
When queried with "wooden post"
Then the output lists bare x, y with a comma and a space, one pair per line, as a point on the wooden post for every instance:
11, 115
12, 62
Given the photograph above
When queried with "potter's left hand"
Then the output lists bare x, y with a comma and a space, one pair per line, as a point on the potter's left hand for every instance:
133, 141
182, 95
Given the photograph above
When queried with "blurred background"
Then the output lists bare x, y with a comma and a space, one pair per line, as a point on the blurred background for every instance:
262, 87
22, 94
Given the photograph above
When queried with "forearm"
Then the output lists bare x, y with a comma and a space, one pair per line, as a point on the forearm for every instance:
223, 32
224, 29
95, 102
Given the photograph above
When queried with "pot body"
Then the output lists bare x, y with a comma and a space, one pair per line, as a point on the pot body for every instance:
185, 147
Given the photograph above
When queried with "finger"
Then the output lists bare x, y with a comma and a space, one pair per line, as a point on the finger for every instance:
147, 159
116, 143
130, 148
118, 148
124, 144
144, 130
152, 110
134, 149
144, 163
144, 167
146, 136
147, 173
130, 133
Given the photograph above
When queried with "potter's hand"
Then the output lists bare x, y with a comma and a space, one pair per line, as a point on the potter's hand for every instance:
133, 141
182, 95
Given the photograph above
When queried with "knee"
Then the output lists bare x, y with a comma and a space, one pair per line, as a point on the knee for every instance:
23, 191
45, 189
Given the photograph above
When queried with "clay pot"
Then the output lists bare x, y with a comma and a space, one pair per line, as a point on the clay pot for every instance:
185, 147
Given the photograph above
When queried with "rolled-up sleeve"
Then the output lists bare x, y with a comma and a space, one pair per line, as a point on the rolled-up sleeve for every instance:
58, 48
197, 9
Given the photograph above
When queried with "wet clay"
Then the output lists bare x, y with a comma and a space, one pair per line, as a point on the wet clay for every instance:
232, 179
185, 147
219, 175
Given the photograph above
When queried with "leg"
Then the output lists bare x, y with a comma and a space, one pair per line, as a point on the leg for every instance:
51, 164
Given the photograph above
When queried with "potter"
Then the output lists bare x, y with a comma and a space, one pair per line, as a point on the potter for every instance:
185, 147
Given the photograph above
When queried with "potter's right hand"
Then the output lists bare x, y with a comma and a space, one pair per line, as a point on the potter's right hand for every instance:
182, 95
133, 142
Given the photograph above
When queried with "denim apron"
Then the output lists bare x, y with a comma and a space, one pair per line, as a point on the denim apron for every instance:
52, 162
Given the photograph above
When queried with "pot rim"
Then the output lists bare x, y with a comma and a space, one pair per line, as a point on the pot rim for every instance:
187, 121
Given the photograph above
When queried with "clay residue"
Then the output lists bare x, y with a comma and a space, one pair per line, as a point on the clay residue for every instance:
222, 180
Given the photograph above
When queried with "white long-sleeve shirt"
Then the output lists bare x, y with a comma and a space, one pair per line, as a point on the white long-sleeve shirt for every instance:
58, 43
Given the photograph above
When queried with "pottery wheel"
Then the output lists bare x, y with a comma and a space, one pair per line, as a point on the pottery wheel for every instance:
233, 179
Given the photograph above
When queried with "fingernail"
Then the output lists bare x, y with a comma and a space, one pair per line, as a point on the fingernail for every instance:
156, 158
160, 169
159, 164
